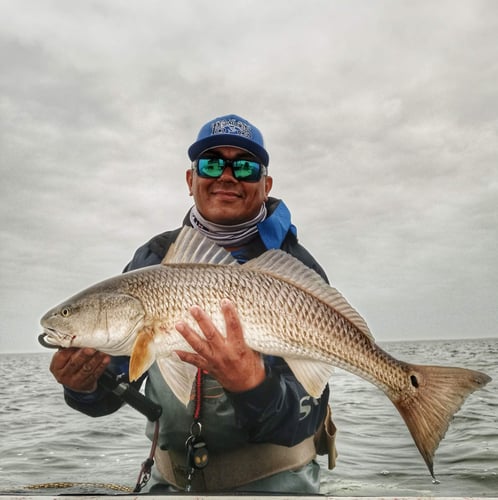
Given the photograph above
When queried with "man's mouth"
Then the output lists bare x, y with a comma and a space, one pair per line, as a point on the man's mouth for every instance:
227, 194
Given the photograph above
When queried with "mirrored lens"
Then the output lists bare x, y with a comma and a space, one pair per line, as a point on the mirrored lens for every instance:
243, 170
246, 170
210, 167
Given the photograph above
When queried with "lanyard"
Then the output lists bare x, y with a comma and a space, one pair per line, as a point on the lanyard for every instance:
196, 449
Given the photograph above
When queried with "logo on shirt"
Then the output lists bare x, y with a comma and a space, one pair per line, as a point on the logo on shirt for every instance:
305, 406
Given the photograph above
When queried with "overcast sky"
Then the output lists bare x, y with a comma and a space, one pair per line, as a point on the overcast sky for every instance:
381, 120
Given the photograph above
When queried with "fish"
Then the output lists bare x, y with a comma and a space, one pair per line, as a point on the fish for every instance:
286, 310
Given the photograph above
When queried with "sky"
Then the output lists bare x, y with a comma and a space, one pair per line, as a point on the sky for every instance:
380, 117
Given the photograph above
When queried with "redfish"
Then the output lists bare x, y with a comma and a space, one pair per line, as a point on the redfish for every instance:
286, 309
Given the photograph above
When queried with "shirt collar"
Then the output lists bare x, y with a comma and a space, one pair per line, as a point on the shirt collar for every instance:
275, 227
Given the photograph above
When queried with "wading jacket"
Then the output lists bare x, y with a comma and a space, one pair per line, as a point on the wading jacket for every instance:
278, 411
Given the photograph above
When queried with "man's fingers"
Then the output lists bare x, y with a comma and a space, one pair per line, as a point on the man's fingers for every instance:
206, 325
235, 332
79, 369
193, 359
61, 358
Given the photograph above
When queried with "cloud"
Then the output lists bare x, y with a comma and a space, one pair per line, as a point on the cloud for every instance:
379, 118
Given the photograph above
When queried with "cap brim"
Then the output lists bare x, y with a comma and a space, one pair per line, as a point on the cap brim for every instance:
228, 140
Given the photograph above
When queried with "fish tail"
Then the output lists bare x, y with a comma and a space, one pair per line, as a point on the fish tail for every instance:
437, 394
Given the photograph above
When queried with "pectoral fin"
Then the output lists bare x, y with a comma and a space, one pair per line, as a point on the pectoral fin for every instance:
312, 375
143, 353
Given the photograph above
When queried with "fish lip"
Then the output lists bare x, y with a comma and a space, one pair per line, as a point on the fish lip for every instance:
52, 339
45, 343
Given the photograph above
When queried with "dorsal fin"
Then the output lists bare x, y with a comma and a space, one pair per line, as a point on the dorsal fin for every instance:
191, 247
284, 266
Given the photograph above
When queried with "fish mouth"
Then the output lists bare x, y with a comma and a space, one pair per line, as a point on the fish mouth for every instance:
52, 339
42, 339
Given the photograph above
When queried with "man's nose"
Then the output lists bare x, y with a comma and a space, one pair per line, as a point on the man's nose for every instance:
227, 174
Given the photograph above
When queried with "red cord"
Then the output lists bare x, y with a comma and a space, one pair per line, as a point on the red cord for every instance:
198, 395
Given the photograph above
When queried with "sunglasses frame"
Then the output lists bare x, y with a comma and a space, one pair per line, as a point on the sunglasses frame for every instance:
230, 163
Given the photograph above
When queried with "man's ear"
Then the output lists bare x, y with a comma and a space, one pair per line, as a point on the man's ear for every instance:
189, 176
268, 185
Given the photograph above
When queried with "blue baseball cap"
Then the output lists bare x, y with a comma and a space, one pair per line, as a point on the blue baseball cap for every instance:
230, 130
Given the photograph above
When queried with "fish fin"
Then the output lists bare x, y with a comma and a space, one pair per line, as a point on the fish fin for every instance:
437, 393
143, 353
285, 267
178, 375
191, 247
313, 375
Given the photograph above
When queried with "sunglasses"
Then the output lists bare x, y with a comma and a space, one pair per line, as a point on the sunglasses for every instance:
243, 170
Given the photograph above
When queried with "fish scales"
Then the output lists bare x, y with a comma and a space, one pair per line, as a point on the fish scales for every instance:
305, 326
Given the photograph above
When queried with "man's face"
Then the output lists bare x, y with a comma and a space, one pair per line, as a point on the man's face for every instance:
226, 200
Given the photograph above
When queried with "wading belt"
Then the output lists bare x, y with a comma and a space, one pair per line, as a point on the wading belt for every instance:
231, 469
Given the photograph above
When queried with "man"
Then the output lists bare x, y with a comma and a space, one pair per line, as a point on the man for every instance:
258, 423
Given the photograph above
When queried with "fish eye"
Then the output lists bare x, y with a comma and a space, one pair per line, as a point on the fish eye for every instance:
65, 312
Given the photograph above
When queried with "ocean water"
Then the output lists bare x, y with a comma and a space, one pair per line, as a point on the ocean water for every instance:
45, 443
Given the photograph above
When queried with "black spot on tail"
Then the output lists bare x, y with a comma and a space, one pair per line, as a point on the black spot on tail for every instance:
414, 381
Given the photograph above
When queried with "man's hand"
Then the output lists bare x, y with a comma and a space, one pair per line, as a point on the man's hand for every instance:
229, 360
79, 369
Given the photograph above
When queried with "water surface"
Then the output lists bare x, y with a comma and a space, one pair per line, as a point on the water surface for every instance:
45, 441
